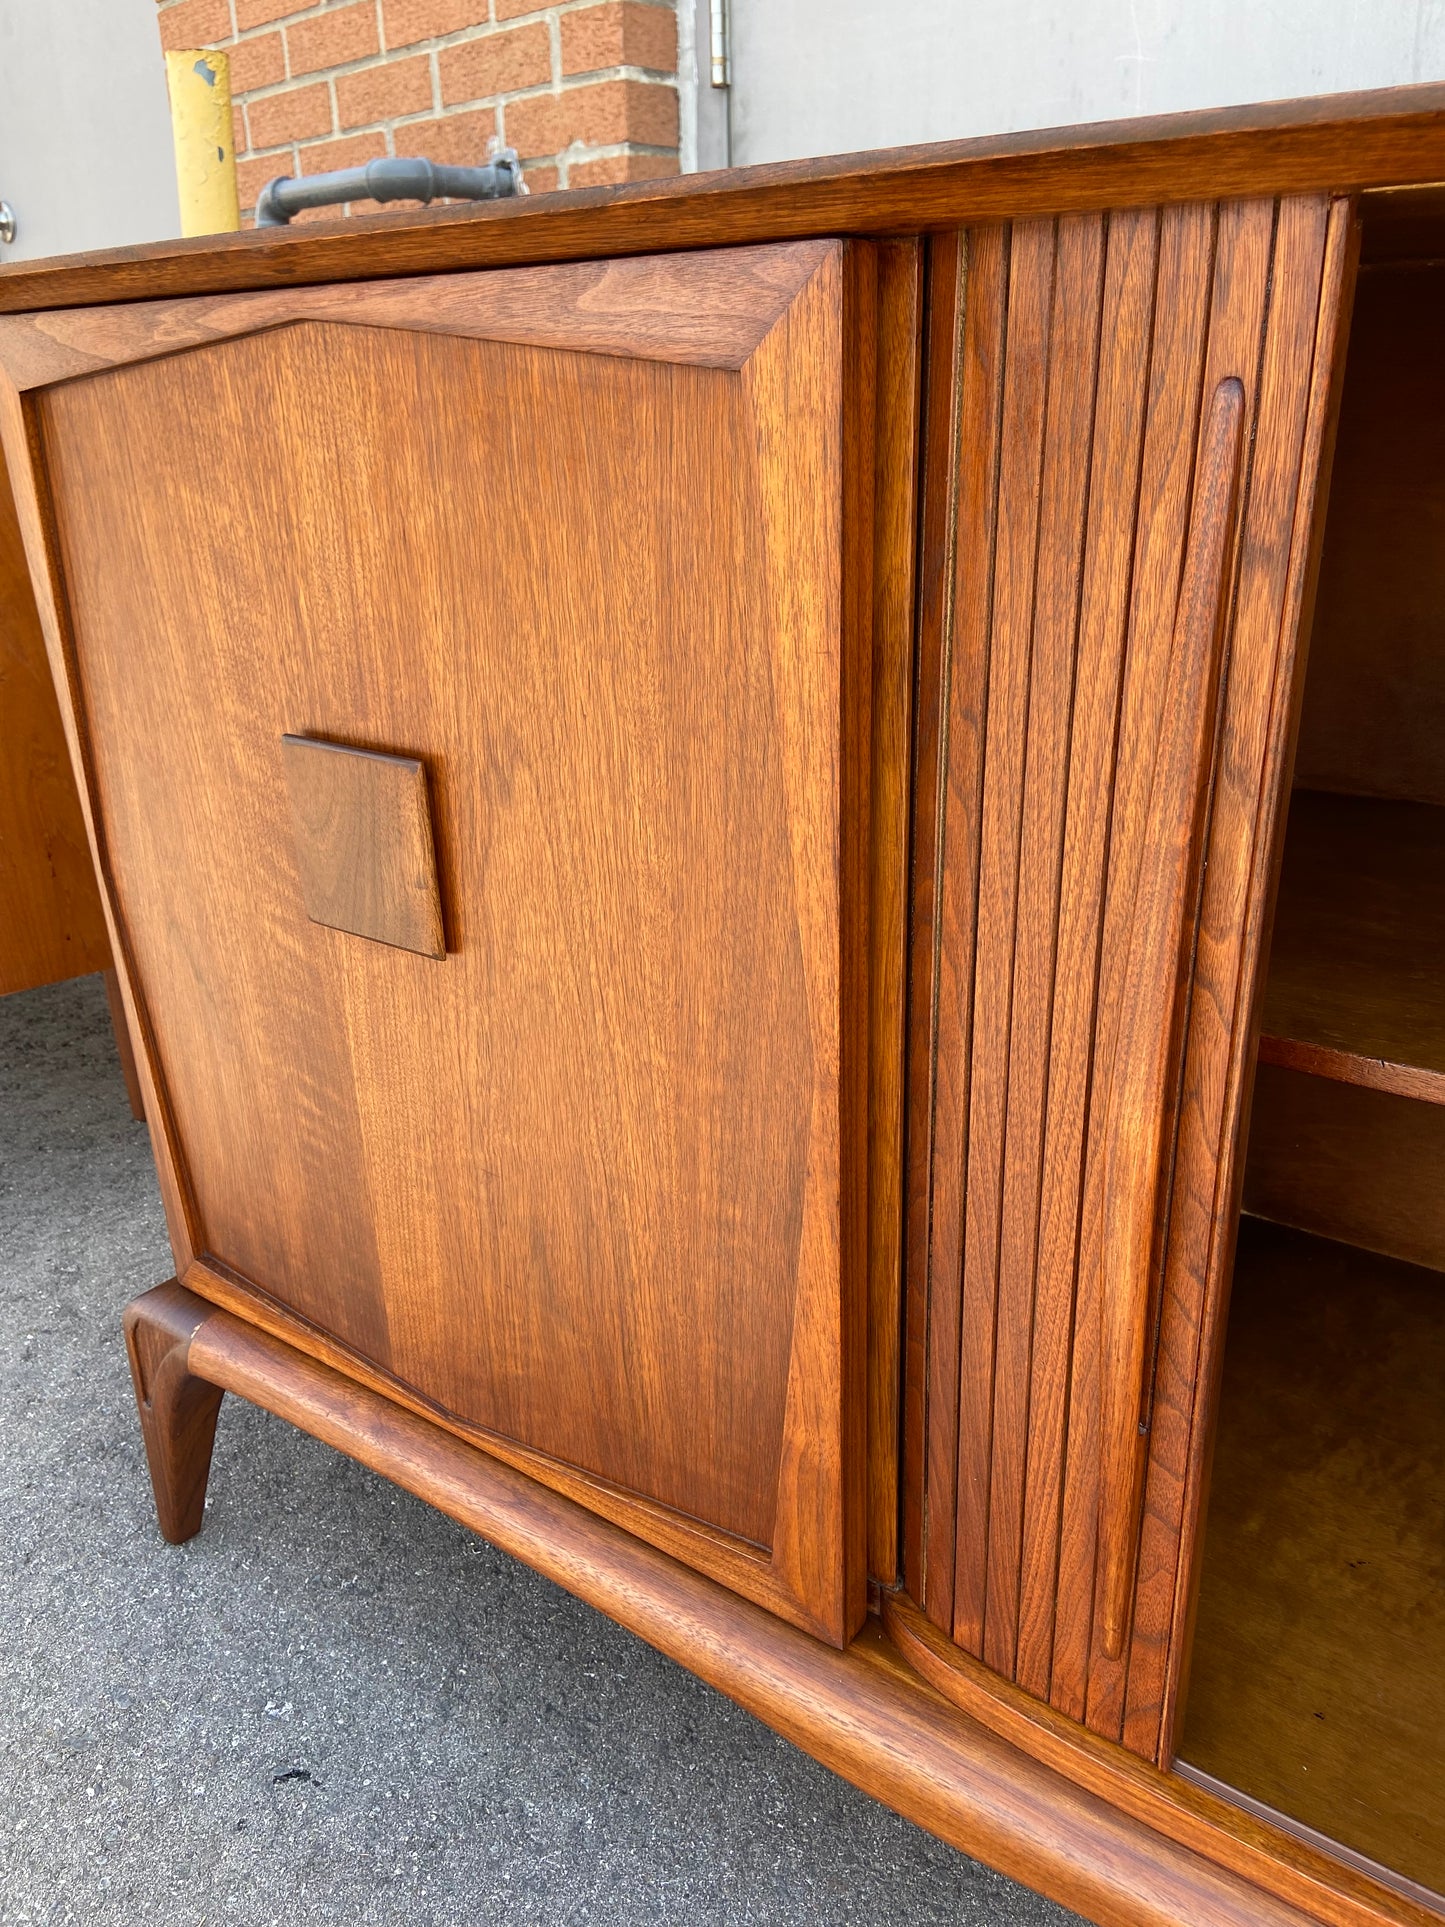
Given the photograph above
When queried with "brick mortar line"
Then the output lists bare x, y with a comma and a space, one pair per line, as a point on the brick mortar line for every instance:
569, 84
577, 150
424, 117
479, 30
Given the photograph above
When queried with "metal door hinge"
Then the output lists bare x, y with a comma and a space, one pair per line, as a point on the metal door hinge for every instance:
720, 42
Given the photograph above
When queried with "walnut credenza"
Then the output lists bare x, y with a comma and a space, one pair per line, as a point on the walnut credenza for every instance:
690, 784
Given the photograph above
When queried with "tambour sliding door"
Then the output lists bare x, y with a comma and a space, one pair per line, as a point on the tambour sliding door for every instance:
1125, 419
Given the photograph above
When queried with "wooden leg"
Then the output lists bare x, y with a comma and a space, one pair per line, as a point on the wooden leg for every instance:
122, 1043
177, 1409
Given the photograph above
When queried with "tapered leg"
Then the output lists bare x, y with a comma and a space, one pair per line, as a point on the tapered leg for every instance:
122, 1043
177, 1409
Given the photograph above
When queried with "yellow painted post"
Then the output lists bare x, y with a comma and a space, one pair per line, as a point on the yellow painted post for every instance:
199, 79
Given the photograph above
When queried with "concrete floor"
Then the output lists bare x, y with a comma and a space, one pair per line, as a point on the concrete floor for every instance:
335, 1706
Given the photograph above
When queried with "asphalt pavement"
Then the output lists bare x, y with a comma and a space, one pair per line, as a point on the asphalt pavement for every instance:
336, 1706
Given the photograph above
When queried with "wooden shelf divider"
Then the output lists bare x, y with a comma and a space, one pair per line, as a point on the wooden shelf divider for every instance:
1356, 989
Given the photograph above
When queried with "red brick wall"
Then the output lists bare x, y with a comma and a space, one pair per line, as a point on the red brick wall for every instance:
585, 90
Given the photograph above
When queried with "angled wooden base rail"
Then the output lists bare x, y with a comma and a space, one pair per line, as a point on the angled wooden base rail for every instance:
863, 1712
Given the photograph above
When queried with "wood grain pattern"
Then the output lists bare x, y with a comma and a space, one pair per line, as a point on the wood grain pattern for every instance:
363, 842
51, 924
1332, 144
653, 1027
1138, 1109
1127, 305
949, 992
1075, 327
1354, 966
1004, 729
712, 314
862, 1711
1122, 359
1318, 1681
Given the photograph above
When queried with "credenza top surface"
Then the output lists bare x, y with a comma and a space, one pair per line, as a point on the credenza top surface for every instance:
1387, 139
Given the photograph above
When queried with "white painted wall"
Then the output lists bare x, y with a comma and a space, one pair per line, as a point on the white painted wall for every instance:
702, 108
832, 76
85, 131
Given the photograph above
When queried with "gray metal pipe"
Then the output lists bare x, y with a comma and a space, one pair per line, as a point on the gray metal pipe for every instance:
390, 180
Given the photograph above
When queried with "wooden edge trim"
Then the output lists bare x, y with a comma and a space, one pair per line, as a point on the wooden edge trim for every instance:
124, 1049
1272, 1817
712, 309
1324, 1887
1388, 137
858, 1711
1350, 1067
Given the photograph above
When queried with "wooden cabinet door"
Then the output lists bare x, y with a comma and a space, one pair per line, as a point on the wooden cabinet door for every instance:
1122, 462
518, 1063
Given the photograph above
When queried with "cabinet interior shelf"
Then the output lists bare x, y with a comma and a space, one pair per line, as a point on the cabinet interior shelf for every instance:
1315, 1687
1356, 988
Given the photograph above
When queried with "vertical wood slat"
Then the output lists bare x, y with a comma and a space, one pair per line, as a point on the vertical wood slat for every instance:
1021, 454
1301, 360
1137, 1109
1126, 313
979, 429
1232, 346
942, 307
1108, 334
895, 469
1063, 502
1176, 342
